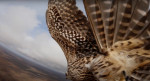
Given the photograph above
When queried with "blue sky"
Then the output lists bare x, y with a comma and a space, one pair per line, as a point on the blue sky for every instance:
23, 29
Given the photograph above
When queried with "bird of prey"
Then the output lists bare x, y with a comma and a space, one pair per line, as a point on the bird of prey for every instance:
111, 44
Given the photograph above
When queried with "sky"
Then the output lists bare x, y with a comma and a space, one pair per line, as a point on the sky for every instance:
23, 29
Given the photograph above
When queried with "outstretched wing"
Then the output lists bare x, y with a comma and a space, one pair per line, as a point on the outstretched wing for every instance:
120, 20
138, 22
70, 28
116, 20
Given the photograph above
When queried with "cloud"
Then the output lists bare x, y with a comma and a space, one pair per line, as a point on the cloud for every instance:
38, 5
15, 22
16, 25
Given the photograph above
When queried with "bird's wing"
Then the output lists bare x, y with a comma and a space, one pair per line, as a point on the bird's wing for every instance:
70, 28
120, 20
125, 10
95, 17
101, 14
116, 20
138, 20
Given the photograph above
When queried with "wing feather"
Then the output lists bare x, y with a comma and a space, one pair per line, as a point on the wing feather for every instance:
108, 9
147, 28
115, 20
94, 14
124, 13
70, 28
101, 15
138, 20
128, 19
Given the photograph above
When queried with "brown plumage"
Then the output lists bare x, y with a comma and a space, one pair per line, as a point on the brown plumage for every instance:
112, 45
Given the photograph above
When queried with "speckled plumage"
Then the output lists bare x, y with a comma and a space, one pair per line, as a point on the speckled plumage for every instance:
112, 45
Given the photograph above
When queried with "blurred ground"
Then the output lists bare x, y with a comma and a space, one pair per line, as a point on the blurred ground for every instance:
16, 68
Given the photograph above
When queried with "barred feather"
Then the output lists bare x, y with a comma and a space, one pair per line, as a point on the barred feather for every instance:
108, 8
94, 13
124, 13
145, 32
124, 25
138, 19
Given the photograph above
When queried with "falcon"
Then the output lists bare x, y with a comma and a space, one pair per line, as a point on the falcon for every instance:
111, 43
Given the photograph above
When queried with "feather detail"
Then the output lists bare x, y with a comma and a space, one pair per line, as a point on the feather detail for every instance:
123, 18
94, 14
109, 10
70, 28
138, 19
146, 31
142, 73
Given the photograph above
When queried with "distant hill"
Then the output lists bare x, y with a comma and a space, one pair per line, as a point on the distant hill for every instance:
16, 68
